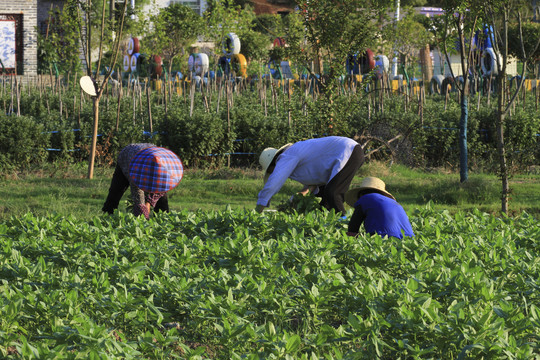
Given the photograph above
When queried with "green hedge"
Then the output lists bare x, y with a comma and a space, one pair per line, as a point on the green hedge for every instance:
214, 135
23, 142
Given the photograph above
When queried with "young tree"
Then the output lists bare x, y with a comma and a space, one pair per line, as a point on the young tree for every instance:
90, 20
462, 19
529, 33
60, 45
331, 30
175, 29
223, 17
407, 36
499, 14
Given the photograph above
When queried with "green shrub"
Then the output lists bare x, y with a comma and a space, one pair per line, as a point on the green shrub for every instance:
199, 140
428, 136
22, 142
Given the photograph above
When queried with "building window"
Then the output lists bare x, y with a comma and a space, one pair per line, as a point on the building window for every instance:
11, 44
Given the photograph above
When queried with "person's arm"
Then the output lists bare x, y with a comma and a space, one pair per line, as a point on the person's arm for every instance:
285, 166
357, 219
140, 205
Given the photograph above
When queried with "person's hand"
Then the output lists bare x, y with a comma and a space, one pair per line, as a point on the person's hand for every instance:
350, 233
307, 189
259, 208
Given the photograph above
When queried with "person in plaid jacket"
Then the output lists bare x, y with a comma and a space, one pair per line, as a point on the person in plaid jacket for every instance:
150, 172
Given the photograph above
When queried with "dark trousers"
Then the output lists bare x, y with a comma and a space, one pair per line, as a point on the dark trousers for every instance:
333, 193
119, 185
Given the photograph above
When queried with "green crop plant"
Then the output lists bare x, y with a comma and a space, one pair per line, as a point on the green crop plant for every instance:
235, 284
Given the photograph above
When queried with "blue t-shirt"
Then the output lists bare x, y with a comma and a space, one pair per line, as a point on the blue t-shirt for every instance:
382, 215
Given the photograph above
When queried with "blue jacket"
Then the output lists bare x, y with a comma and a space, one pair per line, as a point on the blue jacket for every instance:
380, 215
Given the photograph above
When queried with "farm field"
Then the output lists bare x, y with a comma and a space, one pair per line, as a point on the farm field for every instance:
224, 282
233, 284
215, 279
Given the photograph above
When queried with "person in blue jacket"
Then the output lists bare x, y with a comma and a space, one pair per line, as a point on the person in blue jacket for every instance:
324, 166
377, 209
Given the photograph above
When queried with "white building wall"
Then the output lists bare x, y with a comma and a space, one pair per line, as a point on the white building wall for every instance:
197, 5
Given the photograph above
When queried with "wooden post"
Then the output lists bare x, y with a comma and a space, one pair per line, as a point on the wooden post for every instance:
537, 83
18, 89
12, 97
192, 97
489, 90
289, 106
149, 109
118, 107
80, 108
219, 95
134, 105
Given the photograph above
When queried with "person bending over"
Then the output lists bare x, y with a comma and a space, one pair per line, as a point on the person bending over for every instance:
325, 166
150, 172
377, 209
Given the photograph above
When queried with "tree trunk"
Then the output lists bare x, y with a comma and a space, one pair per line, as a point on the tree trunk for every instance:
463, 154
95, 103
503, 168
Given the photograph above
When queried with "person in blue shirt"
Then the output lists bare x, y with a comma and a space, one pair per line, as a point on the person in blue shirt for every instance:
377, 209
324, 166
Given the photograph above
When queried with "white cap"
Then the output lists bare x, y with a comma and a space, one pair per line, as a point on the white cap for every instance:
266, 157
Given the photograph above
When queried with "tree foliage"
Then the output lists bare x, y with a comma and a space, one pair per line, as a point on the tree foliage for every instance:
331, 30
175, 29
223, 17
407, 36
58, 48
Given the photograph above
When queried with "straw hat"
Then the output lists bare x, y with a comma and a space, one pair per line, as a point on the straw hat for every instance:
369, 183
87, 84
156, 170
267, 155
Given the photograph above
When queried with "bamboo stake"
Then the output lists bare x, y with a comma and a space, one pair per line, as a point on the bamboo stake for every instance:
184, 92
369, 107
209, 91
489, 90
118, 107
203, 94
12, 99
18, 89
289, 107
265, 89
134, 109
149, 109
139, 92
536, 93
80, 108
219, 96
164, 92
60, 104
192, 97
